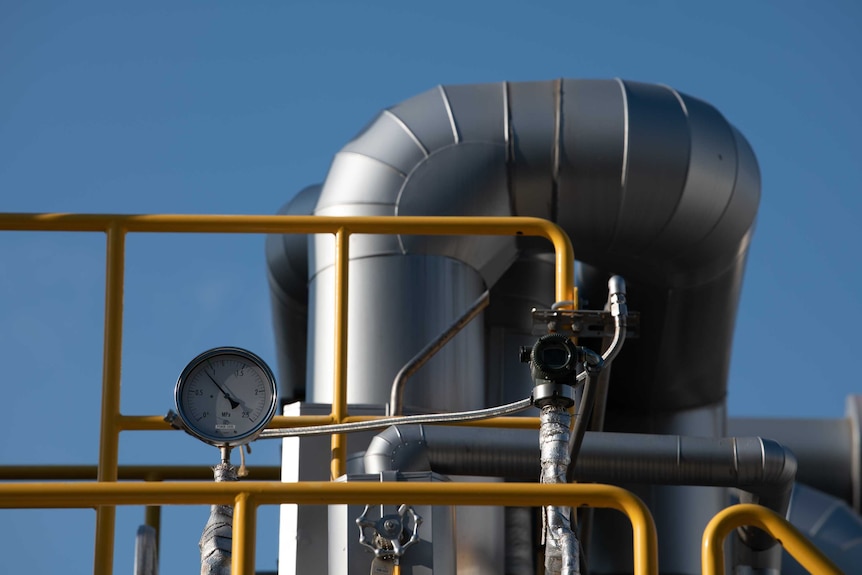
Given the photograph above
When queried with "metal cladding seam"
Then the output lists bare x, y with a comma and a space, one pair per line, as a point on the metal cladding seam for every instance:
649, 183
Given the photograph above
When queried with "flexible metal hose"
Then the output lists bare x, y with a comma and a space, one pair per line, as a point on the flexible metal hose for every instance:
387, 421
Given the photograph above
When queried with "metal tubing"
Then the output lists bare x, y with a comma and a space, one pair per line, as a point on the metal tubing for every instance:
109, 434
793, 541
396, 395
379, 423
81, 495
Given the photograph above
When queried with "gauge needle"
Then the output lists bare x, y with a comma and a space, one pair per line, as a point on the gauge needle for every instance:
233, 402
226, 389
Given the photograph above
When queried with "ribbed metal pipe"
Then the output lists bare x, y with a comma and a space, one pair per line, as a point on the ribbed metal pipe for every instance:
761, 467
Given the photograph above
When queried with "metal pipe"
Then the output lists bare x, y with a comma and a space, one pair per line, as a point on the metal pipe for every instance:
762, 468
146, 551
458, 416
396, 395
644, 179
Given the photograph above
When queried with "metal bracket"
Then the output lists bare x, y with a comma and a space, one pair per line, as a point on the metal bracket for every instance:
582, 322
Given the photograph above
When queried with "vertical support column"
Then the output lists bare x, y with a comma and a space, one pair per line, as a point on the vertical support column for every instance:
338, 465
244, 535
109, 434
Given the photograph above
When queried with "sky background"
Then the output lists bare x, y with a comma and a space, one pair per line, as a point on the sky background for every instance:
230, 108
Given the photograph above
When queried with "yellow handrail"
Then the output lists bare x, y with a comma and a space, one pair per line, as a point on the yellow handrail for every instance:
754, 515
246, 496
112, 422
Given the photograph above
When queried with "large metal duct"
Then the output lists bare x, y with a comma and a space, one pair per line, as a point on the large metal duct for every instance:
287, 267
648, 182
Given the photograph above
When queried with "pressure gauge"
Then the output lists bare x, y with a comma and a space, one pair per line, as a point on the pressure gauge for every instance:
226, 396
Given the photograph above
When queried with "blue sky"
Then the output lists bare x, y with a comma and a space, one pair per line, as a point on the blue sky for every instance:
200, 107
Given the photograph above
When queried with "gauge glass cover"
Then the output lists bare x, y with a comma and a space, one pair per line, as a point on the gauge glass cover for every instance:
226, 396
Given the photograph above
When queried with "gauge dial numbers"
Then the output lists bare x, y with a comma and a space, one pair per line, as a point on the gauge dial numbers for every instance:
226, 396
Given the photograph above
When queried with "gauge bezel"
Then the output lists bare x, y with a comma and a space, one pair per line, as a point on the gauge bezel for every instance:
245, 437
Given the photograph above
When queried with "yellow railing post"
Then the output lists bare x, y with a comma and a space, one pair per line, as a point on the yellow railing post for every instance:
339, 384
109, 435
717, 530
244, 535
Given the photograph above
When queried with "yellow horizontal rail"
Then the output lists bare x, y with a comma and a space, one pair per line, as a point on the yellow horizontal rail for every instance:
127, 473
786, 534
246, 496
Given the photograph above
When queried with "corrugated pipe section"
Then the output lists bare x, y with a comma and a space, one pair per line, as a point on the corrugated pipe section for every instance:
760, 467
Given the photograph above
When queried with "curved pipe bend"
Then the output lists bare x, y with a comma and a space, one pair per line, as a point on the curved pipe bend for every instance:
648, 182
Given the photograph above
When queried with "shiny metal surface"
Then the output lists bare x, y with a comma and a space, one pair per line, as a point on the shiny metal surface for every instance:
648, 182
396, 394
822, 446
287, 271
396, 306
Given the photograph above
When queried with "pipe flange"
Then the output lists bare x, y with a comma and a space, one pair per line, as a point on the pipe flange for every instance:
560, 394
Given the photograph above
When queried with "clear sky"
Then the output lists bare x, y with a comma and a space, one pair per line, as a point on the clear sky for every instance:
207, 107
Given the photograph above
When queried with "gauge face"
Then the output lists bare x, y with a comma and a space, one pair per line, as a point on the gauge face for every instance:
226, 396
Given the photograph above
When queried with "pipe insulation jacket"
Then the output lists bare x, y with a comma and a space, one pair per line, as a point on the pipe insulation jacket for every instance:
561, 547
217, 538
648, 182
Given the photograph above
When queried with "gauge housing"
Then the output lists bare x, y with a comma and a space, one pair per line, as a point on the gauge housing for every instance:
226, 396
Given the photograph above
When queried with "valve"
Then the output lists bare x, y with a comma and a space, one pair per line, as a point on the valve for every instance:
388, 536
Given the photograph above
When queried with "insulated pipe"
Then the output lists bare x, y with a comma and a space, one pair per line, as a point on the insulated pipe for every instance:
648, 182
761, 467
287, 267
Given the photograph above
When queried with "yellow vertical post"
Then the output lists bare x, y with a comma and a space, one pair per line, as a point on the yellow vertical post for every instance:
244, 535
109, 437
339, 386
